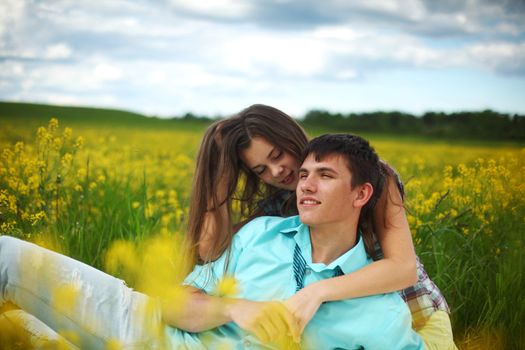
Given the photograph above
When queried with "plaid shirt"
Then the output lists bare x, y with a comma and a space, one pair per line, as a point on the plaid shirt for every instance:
423, 298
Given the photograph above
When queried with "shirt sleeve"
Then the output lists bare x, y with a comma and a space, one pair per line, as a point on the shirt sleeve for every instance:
396, 333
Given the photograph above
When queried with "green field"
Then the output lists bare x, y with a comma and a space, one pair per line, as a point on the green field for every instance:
101, 176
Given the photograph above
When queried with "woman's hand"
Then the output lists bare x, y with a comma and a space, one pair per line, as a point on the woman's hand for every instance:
267, 320
304, 304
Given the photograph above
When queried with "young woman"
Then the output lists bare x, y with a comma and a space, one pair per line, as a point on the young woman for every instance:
253, 158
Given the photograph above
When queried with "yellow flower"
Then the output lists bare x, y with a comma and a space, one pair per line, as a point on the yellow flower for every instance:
35, 218
19, 147
113, 344
81, 173
67, 159
79, 142
122, 255
53, 124
42, 134
227, 287
57, 143
65, 298
67, 133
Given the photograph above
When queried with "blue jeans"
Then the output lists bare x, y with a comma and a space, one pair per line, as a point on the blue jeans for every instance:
87, 306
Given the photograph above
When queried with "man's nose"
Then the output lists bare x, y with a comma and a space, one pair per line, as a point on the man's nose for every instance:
307, 185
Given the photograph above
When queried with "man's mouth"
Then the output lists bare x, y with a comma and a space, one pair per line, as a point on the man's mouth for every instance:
309, 201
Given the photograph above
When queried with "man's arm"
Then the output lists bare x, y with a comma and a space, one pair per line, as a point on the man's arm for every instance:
395, 332
267, 320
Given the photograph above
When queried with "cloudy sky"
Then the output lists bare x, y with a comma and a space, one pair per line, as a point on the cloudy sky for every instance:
168, 57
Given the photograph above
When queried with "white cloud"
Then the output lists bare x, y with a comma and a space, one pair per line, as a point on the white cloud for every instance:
508, 28
411, 9
10, 69
106, 72
10, 13
347, 74
257, 54
156, 77
57, 51
55, 98
498, 56
213, 8
337, 32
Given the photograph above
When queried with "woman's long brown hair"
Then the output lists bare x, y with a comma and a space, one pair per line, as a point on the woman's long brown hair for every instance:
219, 169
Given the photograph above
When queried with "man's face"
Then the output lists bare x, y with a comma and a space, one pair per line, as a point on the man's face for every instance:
324, 191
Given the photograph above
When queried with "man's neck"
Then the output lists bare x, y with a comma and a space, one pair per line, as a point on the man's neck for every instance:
331, 241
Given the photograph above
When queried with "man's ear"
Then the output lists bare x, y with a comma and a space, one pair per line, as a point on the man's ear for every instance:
364, 193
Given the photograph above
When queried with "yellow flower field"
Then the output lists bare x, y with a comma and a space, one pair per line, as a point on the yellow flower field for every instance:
98, 194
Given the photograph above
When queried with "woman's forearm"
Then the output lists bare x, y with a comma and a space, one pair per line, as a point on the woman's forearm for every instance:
381, 276
198, 313
268, 320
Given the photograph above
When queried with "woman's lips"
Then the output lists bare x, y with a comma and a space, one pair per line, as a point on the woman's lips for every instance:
288, 179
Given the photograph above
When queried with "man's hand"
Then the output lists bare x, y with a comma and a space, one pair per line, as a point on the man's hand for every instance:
303, 305
269, 321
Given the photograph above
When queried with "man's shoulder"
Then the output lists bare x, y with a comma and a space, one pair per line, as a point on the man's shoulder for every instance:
264, 227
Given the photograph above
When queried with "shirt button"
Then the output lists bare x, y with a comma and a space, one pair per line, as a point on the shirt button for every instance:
247, 343
308, 271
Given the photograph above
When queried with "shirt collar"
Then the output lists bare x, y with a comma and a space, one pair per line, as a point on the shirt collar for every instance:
352, 260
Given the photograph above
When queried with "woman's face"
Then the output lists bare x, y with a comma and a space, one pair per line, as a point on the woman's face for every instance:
272, 165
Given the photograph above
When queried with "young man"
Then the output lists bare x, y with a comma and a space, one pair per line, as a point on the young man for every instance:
271, 258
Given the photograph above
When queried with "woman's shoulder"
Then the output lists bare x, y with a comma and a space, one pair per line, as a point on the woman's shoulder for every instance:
275, 204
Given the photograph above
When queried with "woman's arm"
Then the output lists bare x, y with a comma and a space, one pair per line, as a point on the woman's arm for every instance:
267, 320
395, 272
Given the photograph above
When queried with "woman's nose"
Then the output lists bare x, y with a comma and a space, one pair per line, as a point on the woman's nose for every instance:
276, 170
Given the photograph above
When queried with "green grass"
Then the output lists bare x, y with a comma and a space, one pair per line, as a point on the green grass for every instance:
31, 115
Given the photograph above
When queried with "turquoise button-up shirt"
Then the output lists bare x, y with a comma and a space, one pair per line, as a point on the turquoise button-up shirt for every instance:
261, 260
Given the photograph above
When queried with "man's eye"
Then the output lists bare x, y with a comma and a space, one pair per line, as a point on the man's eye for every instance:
303, 176
326, 176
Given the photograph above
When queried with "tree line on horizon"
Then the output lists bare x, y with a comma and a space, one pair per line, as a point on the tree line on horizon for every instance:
483, 125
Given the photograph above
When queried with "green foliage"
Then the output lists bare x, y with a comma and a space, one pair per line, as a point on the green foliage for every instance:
30, 115
485, 125
481, 126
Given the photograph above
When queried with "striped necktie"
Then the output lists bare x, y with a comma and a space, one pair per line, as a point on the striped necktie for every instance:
299, 268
